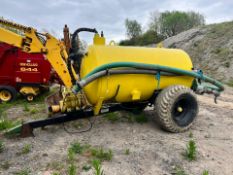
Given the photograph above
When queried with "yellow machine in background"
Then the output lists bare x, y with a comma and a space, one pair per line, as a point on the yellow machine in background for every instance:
33, 42
105, 78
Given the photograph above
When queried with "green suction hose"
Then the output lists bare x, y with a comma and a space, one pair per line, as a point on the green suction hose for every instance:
217, 86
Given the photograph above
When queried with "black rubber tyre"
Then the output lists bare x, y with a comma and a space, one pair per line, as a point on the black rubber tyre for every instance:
176, 108
10, 93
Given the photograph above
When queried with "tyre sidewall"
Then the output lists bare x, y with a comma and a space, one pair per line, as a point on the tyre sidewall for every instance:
12, 91
164, 105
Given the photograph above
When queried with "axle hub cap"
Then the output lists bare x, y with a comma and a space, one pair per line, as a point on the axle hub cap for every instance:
5, 95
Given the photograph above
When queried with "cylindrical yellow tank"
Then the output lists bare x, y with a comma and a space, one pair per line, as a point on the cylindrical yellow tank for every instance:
133, 87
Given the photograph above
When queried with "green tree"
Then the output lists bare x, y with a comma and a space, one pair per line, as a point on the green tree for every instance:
195, 19
146, 38
153, 21
170, 23
133, 28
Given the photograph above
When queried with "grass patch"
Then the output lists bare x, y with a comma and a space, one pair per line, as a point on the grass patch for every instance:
97, 167
56, 173
179, 171
5, 123
138, 118
2, 146
141, 118
230, 83
112, 117
26, 149
221, 52
72, 169
99, 155
127, 151
219, 30
205, 172
190, 135
23, 172
77, 148
191, 150
23, 102
33, 111
25, 107
4, 106
71, 155
86, 167
102, 154
88, 151
129, 117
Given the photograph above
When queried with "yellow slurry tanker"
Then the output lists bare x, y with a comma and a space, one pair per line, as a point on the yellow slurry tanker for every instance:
104, 78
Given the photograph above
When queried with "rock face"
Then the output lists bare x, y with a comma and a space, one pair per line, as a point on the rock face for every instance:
210, 48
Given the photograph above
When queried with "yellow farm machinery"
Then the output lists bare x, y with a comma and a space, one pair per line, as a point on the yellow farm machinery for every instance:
104, 78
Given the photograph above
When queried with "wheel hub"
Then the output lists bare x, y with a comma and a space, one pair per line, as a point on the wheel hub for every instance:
5, 95
183, 110
30, 97
179, 109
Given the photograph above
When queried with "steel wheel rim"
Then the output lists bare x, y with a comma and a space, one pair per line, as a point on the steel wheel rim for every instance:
189, 106
30, 97
5, 95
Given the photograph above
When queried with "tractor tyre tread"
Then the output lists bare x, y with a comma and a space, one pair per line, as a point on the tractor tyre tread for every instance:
164, 104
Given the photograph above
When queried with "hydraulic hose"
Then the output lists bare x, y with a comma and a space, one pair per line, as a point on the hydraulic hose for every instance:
219, 86
75, 34
75, 48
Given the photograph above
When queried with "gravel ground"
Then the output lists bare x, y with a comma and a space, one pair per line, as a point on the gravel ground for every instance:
151, 150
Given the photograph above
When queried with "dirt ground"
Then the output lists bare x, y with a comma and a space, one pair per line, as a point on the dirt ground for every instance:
151, 150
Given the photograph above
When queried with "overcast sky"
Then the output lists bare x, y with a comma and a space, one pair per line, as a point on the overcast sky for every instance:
106, 15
